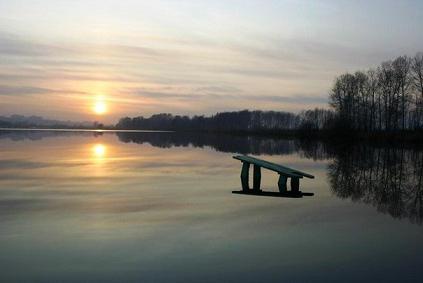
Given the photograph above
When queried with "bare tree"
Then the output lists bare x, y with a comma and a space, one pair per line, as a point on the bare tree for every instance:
401, 67
371, 88
417, 80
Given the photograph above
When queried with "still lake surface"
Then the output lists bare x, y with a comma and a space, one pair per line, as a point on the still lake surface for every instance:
158, 207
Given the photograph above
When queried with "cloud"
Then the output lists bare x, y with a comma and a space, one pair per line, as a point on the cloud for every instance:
22, 90
300, 98
218, 89
28, 90
194, 73
292, 99
16, 46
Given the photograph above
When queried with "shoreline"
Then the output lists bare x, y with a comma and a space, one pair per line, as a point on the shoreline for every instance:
83, 130
322, 135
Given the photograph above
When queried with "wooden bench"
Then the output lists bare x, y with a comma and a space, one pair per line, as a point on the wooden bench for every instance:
283, 171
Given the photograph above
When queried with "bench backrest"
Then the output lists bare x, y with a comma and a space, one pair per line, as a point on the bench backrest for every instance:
273, 166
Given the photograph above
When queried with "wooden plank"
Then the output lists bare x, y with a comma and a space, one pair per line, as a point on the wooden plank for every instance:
267, 165
274, 167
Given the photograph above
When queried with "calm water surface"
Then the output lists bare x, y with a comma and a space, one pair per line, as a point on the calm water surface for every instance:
158, 207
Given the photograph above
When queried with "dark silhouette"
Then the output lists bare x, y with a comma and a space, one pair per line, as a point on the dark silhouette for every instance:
241, 121
384, 101
219, 142
388, 98
283, 171
261, 122
20, 121
388, 178
287, 194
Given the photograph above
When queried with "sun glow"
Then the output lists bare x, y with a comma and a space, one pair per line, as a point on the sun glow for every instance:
100, 107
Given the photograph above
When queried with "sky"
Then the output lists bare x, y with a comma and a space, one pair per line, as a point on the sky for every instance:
106, 59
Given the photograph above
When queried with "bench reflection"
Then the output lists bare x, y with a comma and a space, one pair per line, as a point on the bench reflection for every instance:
286, 194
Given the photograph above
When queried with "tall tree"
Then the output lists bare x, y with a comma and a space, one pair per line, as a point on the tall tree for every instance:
417, 80
401, 67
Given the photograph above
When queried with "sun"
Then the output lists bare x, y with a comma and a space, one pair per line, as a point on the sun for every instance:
100, 107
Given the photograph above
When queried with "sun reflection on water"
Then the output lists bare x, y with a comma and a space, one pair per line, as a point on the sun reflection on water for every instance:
99, 151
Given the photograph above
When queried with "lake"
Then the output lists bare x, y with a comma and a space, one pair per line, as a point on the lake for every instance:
158, 207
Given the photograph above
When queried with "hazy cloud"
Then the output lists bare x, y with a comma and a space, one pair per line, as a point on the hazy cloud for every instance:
27, 90
229, 56
222, 97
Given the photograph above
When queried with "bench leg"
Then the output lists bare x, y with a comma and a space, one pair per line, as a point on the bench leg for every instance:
282, 183
295, 185
245, 176
257, 178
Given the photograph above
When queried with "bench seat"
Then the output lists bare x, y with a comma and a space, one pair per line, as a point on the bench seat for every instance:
273, 166
283, 171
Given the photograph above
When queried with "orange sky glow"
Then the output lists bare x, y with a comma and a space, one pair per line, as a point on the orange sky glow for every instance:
103, 60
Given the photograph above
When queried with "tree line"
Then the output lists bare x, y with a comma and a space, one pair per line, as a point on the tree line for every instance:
226, 121
236, 121
383, 99
386, 98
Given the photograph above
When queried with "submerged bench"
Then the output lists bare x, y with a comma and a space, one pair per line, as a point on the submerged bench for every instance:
283, 171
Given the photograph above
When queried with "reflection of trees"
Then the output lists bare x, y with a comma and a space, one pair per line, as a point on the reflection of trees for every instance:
220, 142
41, 134
388, 178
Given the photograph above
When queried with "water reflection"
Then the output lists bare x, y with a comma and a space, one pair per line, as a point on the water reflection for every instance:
387, 178
99, 150
287, 194
87, 207
34, 135
223, 142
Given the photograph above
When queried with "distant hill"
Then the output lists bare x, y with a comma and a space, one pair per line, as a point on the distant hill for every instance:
20, 121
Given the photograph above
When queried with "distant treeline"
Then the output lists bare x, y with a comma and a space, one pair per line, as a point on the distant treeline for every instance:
388, 98
20, 121
239, 121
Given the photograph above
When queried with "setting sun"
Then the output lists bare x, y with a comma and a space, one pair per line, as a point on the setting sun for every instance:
100, 107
